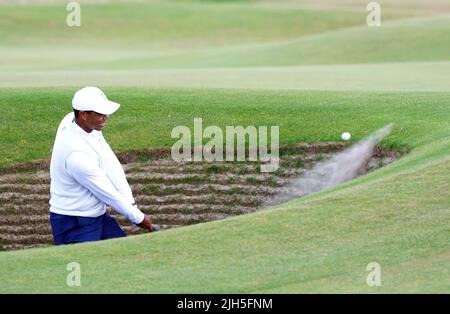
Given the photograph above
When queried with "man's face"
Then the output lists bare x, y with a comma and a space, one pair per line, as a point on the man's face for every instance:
94, 121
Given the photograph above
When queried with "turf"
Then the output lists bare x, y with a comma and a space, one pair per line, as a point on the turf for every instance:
321, 243
148, 116
311, 67
416, 76
163, 24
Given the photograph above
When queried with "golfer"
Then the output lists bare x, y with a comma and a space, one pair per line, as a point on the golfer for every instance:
86, 176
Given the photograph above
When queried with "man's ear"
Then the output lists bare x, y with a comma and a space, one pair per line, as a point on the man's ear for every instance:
82, 116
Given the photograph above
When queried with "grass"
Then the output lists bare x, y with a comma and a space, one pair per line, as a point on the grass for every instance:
312, 68
215, 169
396, 216
180, 35
147, 116
163, 24
422, 39
317, 244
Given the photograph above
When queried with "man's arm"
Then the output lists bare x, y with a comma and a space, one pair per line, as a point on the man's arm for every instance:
115, 172
86, 171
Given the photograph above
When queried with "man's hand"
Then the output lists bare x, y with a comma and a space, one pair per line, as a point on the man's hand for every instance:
147, 224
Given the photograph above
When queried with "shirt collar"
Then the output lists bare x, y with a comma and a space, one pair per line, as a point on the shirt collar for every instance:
80, 131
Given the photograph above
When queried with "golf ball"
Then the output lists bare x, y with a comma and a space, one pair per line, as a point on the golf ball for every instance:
345, 136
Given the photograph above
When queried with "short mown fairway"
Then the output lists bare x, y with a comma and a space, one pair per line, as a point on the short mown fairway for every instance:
314, 68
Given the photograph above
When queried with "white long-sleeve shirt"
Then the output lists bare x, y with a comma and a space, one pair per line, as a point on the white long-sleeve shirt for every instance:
86, 175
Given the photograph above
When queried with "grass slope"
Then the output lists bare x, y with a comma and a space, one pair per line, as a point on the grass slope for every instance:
320, 243
375, 59
418, 39
163, 24
147, 116
167, 35
396, 216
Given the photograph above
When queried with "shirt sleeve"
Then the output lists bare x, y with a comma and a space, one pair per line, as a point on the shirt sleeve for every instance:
116, 174
86, 171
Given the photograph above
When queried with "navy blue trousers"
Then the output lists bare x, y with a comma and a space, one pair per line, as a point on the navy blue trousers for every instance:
75, 229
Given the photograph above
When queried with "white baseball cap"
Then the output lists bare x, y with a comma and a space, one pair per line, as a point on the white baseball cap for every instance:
93, 99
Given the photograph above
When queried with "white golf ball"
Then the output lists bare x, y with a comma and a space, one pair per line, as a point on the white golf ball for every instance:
345, 136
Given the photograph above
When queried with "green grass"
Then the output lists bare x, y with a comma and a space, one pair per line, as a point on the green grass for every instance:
321, 243
410, 40
396, 216
147, 116
162, 24
174, 35
311, 67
